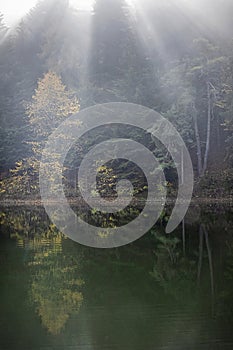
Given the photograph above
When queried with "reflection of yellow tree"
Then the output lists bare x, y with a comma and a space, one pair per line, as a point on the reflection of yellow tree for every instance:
28, 226
55, 288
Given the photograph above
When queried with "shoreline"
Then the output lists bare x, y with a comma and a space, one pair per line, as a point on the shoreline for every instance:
78, 201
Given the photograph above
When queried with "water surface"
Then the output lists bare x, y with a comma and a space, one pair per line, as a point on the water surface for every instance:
160, 292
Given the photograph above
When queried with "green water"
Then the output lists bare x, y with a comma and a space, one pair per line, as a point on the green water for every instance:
161, 292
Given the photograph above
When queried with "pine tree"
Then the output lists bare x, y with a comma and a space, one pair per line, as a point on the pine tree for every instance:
111, 35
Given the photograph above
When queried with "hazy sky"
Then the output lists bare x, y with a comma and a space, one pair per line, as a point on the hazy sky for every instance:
14, 9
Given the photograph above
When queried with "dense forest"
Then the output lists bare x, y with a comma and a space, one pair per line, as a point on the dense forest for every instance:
175, 57
166, 281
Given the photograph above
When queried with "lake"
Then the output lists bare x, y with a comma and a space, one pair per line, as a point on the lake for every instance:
161, 292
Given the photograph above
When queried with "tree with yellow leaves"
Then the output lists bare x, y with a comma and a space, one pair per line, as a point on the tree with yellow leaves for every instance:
51, 103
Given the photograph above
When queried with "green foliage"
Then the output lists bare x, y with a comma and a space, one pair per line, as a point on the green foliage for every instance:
116, 54
23, 179
216, 184
172, 271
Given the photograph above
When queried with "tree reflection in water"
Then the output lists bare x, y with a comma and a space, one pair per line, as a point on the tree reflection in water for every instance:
56, 285
150, 294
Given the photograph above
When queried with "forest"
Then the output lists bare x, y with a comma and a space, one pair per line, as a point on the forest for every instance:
175, 57
148, 285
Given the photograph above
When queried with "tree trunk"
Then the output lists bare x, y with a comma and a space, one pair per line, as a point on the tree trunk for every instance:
210, 267
200, 255
183, 236
198, 142
207, 147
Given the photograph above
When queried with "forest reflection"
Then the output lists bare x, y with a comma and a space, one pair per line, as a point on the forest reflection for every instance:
162, 285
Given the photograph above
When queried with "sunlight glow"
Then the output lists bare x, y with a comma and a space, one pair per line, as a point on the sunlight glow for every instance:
131, 2
13, 10
85, 5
